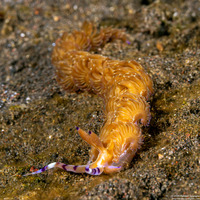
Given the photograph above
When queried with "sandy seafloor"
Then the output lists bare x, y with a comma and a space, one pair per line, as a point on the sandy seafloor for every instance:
38, 119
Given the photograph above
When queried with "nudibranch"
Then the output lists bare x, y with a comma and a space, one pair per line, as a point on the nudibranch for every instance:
124, 86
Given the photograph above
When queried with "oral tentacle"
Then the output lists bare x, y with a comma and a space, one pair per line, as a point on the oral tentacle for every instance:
91, 139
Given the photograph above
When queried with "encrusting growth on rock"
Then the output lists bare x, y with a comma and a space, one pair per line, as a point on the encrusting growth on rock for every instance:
124, 86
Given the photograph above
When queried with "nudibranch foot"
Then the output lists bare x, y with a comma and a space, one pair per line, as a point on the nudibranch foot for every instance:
70, 168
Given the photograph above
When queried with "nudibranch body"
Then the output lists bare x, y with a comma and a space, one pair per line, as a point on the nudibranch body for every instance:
124, 86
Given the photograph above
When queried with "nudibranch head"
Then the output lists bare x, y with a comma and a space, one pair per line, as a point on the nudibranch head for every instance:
118, 147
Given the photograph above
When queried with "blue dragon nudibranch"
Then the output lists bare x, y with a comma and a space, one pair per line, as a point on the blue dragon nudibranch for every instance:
124, 86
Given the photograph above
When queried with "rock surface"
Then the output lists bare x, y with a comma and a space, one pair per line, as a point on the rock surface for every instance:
38, 119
